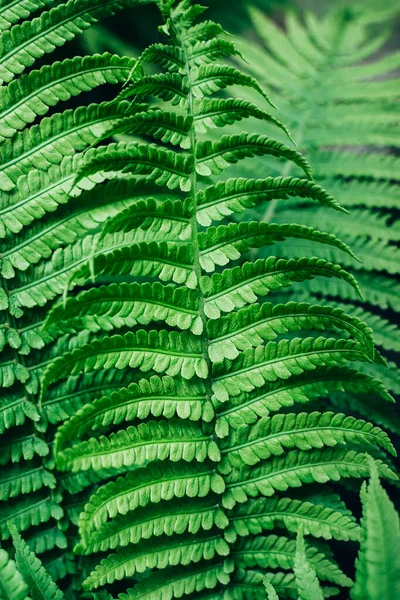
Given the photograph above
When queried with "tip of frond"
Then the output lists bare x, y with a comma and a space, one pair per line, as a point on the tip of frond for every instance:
343, 210
379, 359
359, 260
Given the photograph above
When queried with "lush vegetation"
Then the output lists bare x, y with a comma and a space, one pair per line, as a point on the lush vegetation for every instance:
179, 400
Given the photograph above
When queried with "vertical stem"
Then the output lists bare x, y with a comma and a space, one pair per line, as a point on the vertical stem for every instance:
193, 220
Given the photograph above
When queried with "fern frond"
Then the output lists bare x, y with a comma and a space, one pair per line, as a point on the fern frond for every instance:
164, 519
219, 245
12, 584
279, 552
34, 94
54, 138
168, 584
158, 397
23, 44
263, 514
280, 360
149, 485
294, 469
208, 79
272, 436
251, 326
378, 565
126, 305
40, 584
235, 195
236, 287
24, 480
163, 351
306, 578
214, 157
218, 112
163, 166
183, 551
247, 407
137, 445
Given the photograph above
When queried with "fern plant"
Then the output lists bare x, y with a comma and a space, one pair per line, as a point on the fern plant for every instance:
199, 409
38, 218
378, 563
339, 97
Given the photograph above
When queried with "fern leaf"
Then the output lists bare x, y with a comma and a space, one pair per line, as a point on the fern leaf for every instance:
208, 51
54, 138
128, 561
294, 469
215, 157
165, 519
170, 57
24, 447
163, 125
249, 327
34, 94
264, 514
14, 11
220, 245
40, 584
279, 552
378, 565
29, 512
23, 44
13, 587
208, 79
155, 396
247, 407
163, 166
280, 360
166, 86
239, 286
24, 480
126, 305
145, 486
137, 445
168, 584
218, 112
164, 352
272, 436
306, 578
235, 195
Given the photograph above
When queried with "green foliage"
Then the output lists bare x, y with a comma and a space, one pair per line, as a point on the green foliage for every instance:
378, 563
39, 582
168, 430
39, 215
338, 95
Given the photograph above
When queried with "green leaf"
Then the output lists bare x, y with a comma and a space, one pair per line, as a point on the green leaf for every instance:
294, 469
235, 195
252, 326
164, 167
148, 442
130, 560
34, 94
13, 587
214, 157
272, 436
306, 578
225, 243
40, 584
266, 514
147, 486
234, 288
165, 352
378, 563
